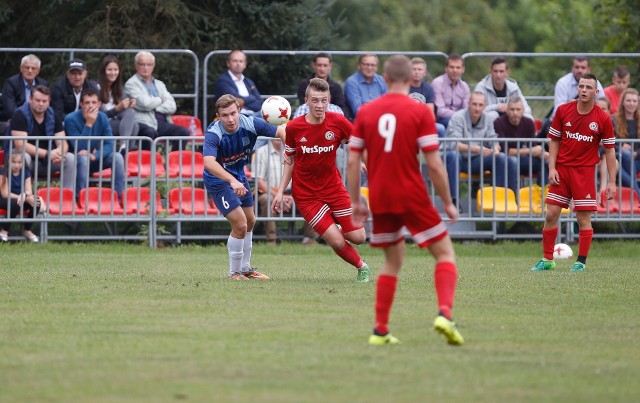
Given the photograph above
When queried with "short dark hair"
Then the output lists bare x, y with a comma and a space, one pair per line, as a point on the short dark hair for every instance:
621, 72
43, 89
499, 60
590, 76
317, 84
454, 57
581, 59
322, 54
89, 92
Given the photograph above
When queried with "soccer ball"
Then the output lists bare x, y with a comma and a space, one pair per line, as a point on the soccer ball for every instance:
562, 251
276, 110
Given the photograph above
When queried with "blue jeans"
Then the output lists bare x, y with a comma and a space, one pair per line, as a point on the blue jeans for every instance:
85, 167
533, 165
628, 171
457, 162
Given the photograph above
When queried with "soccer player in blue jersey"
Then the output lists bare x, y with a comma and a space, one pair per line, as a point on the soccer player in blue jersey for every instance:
227, 147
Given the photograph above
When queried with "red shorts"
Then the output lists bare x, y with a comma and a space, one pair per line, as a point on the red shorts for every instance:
577, 183
425, 226
321, 213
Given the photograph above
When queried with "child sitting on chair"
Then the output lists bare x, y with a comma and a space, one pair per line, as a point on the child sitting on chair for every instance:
16, 195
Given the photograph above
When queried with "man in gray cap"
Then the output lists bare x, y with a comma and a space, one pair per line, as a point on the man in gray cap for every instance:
65, 95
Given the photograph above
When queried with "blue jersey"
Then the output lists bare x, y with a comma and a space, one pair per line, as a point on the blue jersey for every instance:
232, 151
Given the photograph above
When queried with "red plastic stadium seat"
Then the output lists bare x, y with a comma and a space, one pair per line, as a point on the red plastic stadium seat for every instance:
105, 174
2, 157
190, 200
185, 163
139, 164
99, 200
138, 201
185, 121
60, 201
627, 199
538, 124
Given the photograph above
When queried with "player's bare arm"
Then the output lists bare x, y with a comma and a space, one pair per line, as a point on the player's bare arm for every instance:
287, 172
438, 175
610, 156
360, 210
215, 169
554, 147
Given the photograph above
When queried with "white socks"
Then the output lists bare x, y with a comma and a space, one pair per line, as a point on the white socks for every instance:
247, 248
235, 247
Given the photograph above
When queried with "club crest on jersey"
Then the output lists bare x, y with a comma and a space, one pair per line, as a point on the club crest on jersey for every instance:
593, 126
329, 135
245, 141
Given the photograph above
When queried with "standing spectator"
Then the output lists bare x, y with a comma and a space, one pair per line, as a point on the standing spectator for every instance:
498, 88
154, 104
477, 156
620, 82
392, 130
311, 145
322, 64
567, 86
17, 88
364, 85
228, 142
37, 118
451, 92
530, 158
234, 82
627, 122
65, 95
575, 133
119, 109
93, 155
16, 194
419, 85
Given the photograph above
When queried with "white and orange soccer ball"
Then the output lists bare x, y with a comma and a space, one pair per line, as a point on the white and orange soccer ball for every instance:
276, 110
562, 251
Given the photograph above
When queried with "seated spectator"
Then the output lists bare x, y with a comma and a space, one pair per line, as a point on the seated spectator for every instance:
620, 82
567, 86
627, 121
119, 109
419, 85
93, 155
65, 95
16, 196
474, 157
498, 88
451, 92
37, 118
530, 158
17, 88
154, 104
268, 172
322, 64
234, 82
364, 85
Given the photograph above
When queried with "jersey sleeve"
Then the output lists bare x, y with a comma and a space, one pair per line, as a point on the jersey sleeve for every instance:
211, 142
263, 128
428, 137
555, 131
347, 129
608, 134
290, 142
356, 142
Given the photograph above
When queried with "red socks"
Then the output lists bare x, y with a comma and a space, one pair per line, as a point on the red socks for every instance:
585, 236
446, 278
549, 237
385, 291
350, 255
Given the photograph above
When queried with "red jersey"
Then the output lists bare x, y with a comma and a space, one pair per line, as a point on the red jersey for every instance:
394, 128
315, 173
580, 135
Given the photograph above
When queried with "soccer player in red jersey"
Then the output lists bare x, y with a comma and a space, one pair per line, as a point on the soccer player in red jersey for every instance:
312, 141
392, 130
576, 132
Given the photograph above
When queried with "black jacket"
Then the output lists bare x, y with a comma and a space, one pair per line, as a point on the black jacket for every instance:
63, 99
13, 94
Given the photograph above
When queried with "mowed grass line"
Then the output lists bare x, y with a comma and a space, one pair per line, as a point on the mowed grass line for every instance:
103, 323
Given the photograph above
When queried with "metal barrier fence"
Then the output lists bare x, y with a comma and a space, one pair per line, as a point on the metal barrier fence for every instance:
163, 198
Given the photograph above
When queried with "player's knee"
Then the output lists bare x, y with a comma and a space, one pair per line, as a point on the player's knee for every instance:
357, 237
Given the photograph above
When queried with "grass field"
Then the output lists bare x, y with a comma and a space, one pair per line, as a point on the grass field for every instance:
120, 323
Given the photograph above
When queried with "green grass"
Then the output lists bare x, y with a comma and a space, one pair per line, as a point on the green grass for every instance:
114, 323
